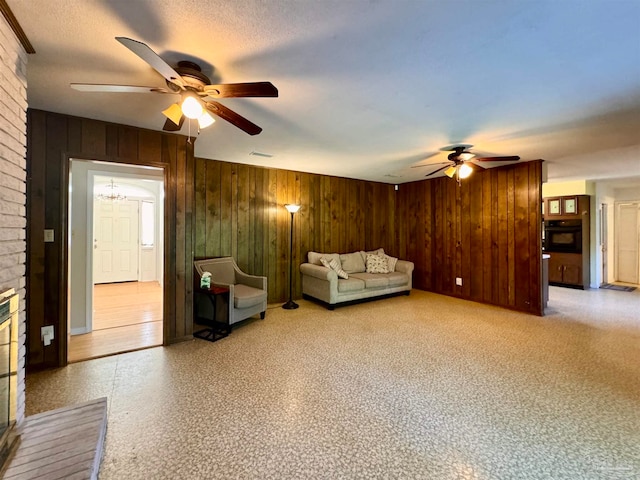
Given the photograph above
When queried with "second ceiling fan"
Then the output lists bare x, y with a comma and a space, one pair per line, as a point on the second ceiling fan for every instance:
196, 92
461, 162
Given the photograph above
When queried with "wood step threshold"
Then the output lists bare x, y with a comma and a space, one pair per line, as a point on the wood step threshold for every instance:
61, 444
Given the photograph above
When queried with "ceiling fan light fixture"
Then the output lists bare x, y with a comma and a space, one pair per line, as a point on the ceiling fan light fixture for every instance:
464, 171
451, 171
192, 108
173, 113
464, 156
205, 120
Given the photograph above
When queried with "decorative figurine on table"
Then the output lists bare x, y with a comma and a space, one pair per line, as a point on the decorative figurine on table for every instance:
205, 280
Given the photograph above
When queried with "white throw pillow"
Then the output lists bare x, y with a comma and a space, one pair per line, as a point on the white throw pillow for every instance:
335, 266
377, 264
379, 251
391, 262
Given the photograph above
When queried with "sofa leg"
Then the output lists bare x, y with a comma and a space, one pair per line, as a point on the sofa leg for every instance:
262, 314
331, 307
407, 292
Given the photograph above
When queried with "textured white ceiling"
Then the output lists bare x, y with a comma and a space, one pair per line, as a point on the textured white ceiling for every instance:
368, 88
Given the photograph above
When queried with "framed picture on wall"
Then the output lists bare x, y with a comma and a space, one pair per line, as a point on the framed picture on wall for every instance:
554, 206
570, 206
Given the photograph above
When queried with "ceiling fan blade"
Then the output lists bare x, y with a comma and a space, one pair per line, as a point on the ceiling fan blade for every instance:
514, 158
438, 170
232, 117
231, 90
430, 164
95, 87
153, 59
169, 126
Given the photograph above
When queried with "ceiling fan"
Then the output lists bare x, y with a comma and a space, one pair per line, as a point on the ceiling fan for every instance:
196, 92
460, 161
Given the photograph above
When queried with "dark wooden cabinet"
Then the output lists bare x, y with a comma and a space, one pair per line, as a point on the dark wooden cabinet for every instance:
566, 269
569, 269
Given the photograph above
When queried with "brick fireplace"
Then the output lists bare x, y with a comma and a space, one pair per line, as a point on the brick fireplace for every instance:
13, 117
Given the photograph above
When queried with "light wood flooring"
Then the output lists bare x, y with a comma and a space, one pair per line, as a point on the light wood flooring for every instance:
126, 316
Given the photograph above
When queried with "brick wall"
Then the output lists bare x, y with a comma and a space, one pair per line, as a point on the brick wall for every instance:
13, 129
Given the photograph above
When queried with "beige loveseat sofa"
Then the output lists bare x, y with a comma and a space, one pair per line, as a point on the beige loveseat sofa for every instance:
323, 282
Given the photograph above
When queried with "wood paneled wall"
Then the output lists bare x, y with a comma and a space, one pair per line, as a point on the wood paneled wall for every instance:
52, 139
486, 231
239, 211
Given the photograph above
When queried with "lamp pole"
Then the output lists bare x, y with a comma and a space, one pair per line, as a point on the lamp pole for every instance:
291, 305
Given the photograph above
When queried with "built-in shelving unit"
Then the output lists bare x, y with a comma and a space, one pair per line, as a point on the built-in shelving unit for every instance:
569, 265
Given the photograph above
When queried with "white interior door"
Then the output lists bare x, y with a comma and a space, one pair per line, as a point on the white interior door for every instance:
115, 241
627, 242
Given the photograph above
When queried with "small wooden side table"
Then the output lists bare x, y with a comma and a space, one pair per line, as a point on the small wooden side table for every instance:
217, 319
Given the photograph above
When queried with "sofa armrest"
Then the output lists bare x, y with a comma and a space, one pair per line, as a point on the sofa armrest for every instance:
404, 266
318, 271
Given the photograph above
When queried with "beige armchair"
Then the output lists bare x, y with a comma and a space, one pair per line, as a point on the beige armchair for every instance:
247, 293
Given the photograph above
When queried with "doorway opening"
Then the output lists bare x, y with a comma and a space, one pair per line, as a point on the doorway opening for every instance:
116, 253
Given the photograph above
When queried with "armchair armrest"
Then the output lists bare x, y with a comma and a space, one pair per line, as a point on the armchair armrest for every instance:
254, 281
318, 271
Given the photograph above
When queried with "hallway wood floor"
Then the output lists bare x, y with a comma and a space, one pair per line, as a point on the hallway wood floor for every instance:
126, 317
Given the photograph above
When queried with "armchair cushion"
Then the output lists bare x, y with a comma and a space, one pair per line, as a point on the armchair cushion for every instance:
244, 296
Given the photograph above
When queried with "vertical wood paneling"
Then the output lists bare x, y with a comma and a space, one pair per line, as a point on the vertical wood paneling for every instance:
200, 213
486, 231
52, 138
473, 265
36, 260
243, 196
226, 209
272, 250
54, 302
213, 217
94, 137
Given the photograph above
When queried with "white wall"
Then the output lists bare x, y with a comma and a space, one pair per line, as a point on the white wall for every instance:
13, 218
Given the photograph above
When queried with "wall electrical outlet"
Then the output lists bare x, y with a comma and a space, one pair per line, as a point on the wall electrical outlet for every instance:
48, 235
459, 281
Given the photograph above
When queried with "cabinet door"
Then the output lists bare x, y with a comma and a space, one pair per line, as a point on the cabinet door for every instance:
555, 270
572, 274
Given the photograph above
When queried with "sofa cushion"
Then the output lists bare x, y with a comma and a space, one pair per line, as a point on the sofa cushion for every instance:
372, 280
245, 296
351, 285
377, 264
334, 265
397, 278
314, 257
352, 262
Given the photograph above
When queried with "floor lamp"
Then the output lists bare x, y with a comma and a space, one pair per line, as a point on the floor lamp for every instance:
290, 305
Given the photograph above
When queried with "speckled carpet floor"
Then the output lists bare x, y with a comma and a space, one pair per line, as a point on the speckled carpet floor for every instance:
424, 387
